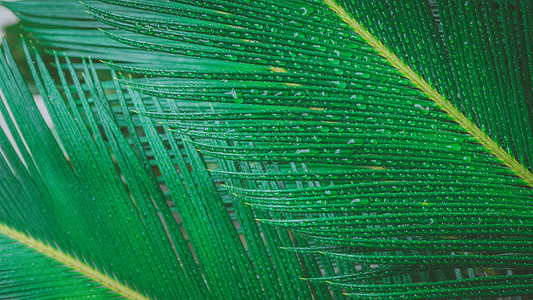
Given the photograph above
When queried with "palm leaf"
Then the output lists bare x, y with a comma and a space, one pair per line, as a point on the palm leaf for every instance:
392, 141
199, 204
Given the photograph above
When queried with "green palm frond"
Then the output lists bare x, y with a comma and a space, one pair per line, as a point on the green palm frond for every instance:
386, 147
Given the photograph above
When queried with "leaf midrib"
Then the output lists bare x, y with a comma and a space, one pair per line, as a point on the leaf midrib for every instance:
432, 94
71, 262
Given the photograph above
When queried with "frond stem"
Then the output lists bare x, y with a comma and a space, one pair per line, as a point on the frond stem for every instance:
432, 94
69, 261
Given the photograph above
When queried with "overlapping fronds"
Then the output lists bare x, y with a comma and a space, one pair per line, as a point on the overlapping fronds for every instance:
384, 153
391, 139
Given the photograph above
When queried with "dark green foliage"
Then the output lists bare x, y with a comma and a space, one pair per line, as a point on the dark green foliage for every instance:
363, 180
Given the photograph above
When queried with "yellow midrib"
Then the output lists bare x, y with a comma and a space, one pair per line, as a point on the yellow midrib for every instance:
69, 261
432, 94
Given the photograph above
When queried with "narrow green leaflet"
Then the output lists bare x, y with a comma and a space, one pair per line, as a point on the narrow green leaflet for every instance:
76, 200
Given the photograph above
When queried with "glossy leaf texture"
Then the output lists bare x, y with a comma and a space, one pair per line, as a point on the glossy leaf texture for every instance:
67, 192
320, 131
372, 186
229, 249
